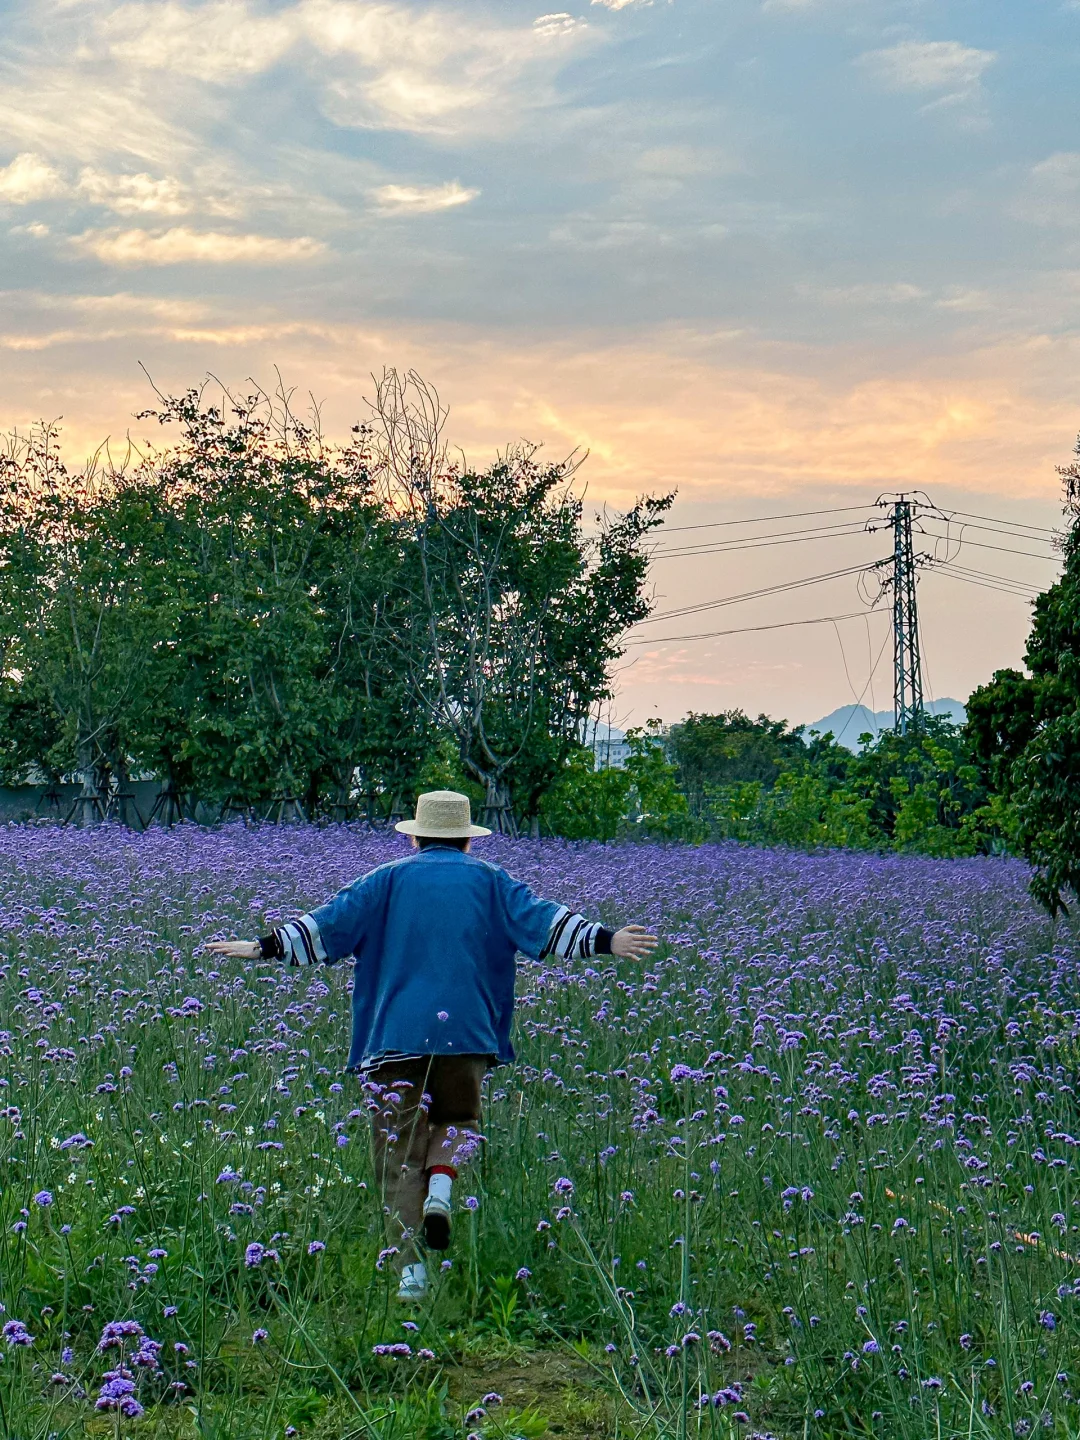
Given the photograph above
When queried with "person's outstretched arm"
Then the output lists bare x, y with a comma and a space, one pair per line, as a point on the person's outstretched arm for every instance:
571, 936
541, 928
328, 933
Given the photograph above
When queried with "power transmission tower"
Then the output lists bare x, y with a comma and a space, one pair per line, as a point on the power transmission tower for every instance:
907, 664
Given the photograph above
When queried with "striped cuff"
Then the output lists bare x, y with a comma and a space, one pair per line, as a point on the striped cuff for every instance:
298, 943
572, 937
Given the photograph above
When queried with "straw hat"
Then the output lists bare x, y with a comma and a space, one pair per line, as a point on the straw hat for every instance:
442, 815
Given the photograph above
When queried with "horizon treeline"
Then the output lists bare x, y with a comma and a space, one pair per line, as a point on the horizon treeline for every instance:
269, 623
260, 618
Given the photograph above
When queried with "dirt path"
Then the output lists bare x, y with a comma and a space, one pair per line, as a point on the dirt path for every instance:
549, 1392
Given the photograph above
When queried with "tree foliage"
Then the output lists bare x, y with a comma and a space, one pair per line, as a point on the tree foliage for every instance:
274, 624
1026, 728
515, 618
920, 791
715, 750
85, 604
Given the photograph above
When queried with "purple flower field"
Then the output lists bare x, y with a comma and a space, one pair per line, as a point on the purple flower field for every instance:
812, 1172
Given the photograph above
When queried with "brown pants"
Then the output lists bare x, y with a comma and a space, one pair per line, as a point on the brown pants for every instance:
429, 1114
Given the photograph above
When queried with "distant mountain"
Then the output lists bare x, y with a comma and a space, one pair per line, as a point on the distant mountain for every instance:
851, 721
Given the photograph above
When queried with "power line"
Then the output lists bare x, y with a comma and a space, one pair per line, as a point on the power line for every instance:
833, 533
752, 629
984, 584
963, 525
755, 594
868, 686
989, 585
843, 658
1020, 524
853, 525
844, 510
991, 575
925, 660
765, 519
843, 531
982, 545
905, 630
873, 666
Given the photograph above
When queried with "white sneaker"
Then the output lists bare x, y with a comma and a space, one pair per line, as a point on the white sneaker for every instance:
413, 1285
437, 1222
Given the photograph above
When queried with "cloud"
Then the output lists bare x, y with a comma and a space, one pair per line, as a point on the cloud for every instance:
432, 71
591, 233
680, 161
621, 4
917, 65
80, 108
181, 245
99, 319
29, 178
123, 304
965, 300
655, 408
378, 66
560, 24
421, 199
134, 194
210, 42
888, 292
1060, 171
1052, 193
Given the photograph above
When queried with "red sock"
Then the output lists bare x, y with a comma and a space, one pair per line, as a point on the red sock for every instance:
444, 1170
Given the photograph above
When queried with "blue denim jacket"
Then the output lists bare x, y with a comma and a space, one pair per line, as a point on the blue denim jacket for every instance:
434, 937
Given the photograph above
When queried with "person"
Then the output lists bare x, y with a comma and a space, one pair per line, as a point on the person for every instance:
434, 937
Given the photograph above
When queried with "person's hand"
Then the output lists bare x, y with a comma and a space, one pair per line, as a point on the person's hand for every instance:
235, 949
633, 942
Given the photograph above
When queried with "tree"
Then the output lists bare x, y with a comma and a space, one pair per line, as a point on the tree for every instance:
282, 559
659, 807
587, 803
1026, 728
760, 783
382, 742
515, 616
82, 605
714, 750
32, 739
924, 789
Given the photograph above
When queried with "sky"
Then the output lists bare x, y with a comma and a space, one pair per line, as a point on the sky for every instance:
777, 255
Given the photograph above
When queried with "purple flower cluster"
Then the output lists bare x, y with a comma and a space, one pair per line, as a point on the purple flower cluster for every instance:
16, 1334
117, 1392
138, 1353
838, 1071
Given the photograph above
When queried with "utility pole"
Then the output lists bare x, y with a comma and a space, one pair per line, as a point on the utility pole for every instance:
907, 666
